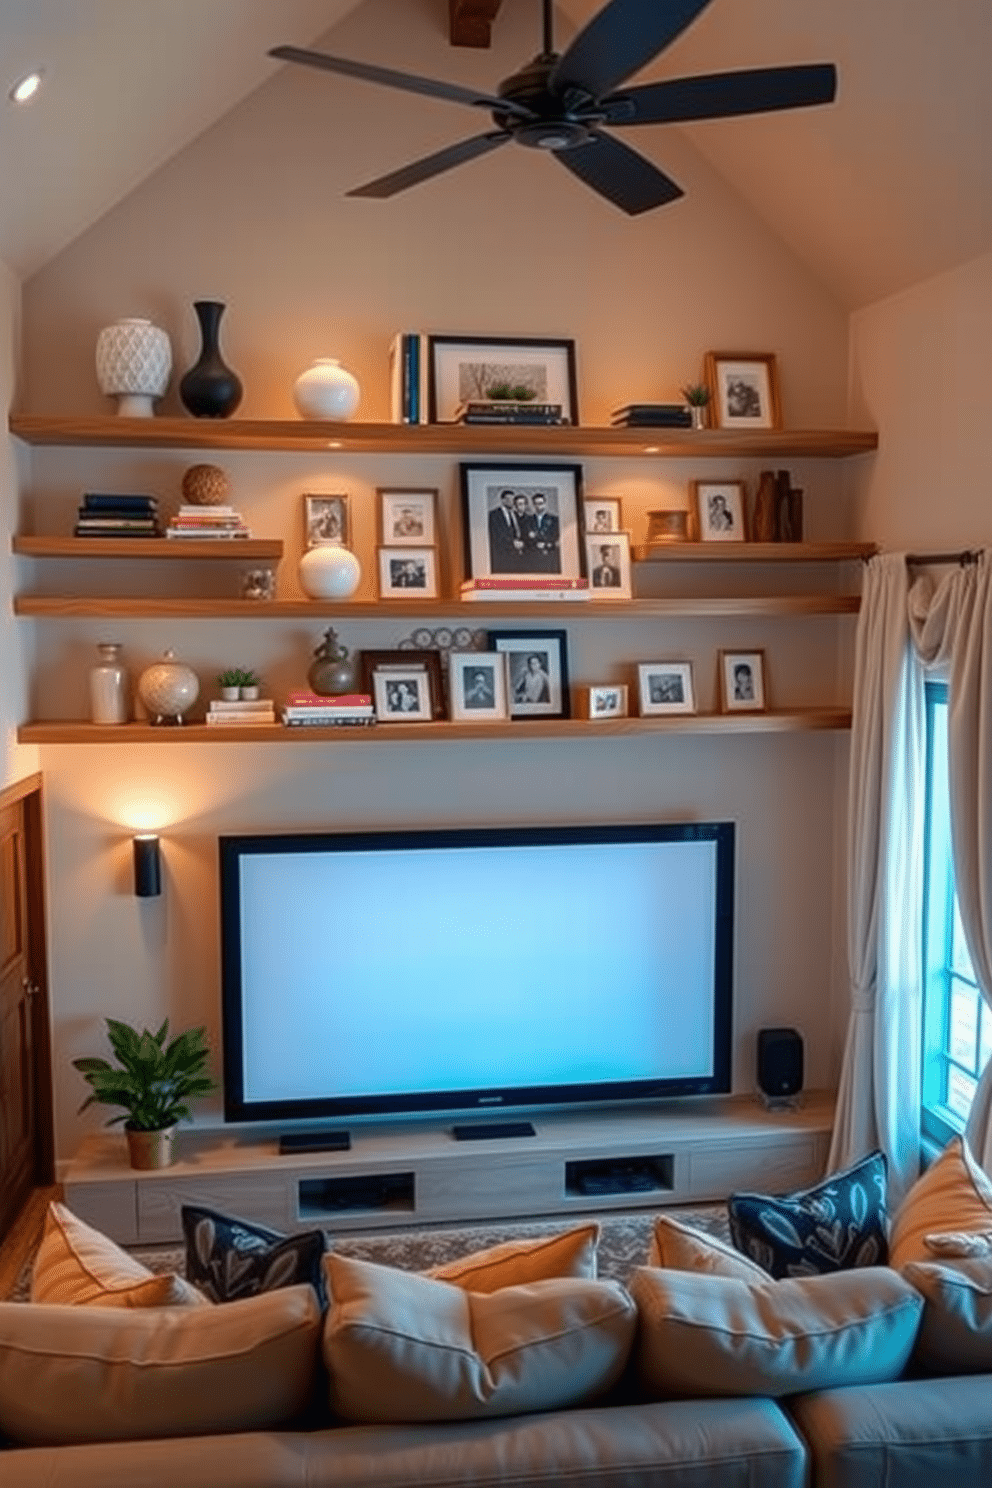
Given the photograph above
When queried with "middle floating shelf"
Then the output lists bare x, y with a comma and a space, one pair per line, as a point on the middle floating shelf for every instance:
74, 606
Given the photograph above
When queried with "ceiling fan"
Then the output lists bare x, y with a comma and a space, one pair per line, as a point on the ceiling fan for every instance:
564, 103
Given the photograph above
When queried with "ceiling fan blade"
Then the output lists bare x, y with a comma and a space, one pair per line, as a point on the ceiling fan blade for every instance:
431, 165
620, 174
619, 41
408, 81
721, 95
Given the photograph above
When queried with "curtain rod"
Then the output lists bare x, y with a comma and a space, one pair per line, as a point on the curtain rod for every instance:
965, 556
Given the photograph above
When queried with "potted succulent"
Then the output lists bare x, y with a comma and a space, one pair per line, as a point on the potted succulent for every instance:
248, 685
229, 683
697, 395
152, 1083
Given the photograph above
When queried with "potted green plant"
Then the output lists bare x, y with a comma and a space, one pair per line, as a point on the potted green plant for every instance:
697, 395
229, 683
152, 1082
248, 686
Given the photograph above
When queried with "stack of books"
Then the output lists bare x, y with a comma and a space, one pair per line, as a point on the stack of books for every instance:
311, 710
408, 356
109, 515
652, 416
200, 522
524, 589
259, 710
509, 411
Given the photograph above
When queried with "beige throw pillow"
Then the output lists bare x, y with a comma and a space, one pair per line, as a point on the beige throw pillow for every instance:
681, 1248
517, 1262
716, 1335
956, 1332
77, 1266
953, 1194
403, 1347
92, 1374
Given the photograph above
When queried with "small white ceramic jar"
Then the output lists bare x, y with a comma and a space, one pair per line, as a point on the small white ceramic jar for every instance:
329, 572
326, 391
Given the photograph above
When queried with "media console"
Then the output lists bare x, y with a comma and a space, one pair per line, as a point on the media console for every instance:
417, 1173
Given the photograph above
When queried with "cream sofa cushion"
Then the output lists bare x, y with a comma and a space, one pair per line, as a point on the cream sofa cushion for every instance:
77, 1266
517, 1262
716, 1335
681, 1248
953, 1194
91, 1374
956, 1332
403, 1347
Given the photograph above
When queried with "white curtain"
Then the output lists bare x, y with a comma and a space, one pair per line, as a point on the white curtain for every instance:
952, 627
879, 1095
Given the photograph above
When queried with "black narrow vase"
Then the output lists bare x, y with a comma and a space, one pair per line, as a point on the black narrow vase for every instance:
210, 389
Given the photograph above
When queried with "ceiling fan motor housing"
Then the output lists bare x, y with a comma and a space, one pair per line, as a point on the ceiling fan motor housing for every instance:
559, 124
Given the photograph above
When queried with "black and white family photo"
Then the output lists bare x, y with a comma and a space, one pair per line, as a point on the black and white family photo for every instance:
524, 531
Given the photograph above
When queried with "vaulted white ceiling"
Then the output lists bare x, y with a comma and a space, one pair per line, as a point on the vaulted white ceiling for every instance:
891, 184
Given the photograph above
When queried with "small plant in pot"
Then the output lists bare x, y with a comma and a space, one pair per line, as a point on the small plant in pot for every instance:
697, 396
152, 1082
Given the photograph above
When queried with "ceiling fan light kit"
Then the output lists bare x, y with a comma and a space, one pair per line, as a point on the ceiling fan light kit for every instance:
566, 104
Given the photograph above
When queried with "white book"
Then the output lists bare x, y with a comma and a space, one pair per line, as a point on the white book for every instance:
525, 596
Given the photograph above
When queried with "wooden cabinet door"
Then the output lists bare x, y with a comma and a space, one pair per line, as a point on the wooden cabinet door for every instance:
17, 1020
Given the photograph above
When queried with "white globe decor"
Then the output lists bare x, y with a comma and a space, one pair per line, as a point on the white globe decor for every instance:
133, 364
168, 689
326, 391
329, 572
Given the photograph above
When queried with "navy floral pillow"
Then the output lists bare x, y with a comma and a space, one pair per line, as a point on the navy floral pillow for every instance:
228, 1258
839, 1224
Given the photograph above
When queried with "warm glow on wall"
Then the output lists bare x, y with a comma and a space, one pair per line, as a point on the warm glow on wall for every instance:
147, 813
26, 88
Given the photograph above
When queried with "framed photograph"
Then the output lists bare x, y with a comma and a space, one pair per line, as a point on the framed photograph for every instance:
536, 671
742, 681
720, 511
477, 683
426, 661
402, 695
602, 514
522, 521
407, 573
665, 687
608, 566
478, 369
743, 389
407, 517
608, 702
326, 520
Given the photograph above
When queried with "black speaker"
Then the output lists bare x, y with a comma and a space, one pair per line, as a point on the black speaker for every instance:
780, 1063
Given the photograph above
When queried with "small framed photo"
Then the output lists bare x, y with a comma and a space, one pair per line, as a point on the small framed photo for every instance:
608, 702
537, 671
477, 682
427, 661
407, 573
487, 369
665, 687
402, 695
326, 520
742, 681
407, 517
743, 389
522, 521
720, 510
608, 565
602, 514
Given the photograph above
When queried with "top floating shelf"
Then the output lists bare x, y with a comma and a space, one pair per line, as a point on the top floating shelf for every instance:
430, 439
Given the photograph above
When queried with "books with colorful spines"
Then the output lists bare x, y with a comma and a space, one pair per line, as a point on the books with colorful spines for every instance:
408, 357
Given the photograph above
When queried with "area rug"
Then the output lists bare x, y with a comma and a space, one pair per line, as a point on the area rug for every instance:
624, 1242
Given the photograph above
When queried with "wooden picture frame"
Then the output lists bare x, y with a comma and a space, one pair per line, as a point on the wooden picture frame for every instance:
463, 369
665, 687
608, 566
407, 573
425, 660
402, 694
477, 686
744, 390
743, 685
536, 671
326, 519
720, 511
500, 522
602, 514
407, 516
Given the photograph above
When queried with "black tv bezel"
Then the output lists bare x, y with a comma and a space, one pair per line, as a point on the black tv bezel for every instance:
238, 1109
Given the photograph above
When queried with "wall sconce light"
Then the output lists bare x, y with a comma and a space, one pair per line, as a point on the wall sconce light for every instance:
147, 866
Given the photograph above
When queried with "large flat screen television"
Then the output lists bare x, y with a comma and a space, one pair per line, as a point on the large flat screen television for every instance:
474, 970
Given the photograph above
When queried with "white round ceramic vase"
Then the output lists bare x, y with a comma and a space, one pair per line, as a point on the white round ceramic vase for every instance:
168, 689
326, 390
133, 365
329, 572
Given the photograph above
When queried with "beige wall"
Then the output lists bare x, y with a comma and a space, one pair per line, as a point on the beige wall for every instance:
253, 214
16, 648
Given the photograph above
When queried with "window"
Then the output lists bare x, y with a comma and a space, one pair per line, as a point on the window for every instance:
957, 1025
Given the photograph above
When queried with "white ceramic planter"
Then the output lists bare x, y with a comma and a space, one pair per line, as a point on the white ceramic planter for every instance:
133, 365
326, 391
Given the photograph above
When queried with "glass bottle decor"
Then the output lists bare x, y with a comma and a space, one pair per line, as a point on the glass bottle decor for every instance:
109, 687
210, 389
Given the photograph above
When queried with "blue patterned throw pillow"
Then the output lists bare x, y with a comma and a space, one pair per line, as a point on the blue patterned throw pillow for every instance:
839, 1224
229, 1258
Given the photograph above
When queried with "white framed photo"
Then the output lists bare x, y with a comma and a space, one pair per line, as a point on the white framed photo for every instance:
402, 695
742, 681
407, 573
720, 511
477, 682
407, 516
325, 520
608, 702
608, 566
602, 514
665, 687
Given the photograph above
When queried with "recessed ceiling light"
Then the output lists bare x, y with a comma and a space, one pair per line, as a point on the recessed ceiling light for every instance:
25, 90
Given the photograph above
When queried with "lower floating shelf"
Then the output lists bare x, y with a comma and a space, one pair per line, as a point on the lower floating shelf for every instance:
806, 720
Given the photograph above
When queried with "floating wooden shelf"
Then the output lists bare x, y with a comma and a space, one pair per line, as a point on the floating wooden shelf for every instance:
485, 440
806, 720
752, 552
240, 548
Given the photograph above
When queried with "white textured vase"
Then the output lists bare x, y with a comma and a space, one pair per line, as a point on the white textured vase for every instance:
133, 364
329, 572
326, 391
168, 689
